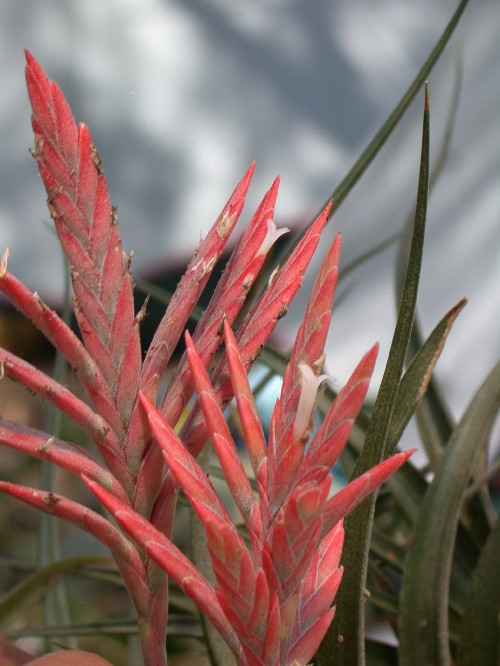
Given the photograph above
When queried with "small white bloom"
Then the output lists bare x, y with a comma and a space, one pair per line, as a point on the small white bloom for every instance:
310, 384
271, 237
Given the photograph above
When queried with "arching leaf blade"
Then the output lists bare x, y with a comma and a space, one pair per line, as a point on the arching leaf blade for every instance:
424, 594
416, 379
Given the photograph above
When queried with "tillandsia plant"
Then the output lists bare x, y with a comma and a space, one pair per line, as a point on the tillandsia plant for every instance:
425, 555
272, 600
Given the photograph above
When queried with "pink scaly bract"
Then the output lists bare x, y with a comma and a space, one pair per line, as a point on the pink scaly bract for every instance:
272, 603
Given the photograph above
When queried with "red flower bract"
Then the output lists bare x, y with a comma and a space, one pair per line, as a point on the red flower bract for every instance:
272, 601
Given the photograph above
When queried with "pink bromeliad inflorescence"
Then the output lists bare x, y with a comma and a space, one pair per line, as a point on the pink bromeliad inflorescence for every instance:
273, 599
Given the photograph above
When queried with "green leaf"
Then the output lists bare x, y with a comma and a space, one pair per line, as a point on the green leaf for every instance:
425, 589
480, 633
349, 617
415, 380
434, 419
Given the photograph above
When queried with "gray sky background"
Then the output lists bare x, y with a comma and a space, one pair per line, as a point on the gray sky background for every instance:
181, 96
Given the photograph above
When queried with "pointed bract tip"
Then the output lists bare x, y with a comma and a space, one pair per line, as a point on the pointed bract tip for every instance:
103, 495
90, 483
245, 181
189, 341
326, 210
32, 63
322, 218
399, 459
229, 337
145, 402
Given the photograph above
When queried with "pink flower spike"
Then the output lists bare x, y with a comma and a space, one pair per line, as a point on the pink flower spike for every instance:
86, 224
225, 304
272, 305
259, 324
310, 383
244, 594
229, 296
311, 336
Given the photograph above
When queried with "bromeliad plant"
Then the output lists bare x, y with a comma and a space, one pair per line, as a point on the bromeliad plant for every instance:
426, 554
272, 599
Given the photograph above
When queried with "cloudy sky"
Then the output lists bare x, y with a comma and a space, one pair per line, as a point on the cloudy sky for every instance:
182, 96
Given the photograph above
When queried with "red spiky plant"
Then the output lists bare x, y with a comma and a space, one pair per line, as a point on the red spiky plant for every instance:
272, 602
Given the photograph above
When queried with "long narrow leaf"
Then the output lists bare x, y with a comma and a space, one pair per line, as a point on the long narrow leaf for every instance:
416, 378
424, 596
349, 619
434, 419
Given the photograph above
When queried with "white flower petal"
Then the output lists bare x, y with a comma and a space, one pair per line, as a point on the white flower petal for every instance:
271, 237
310, 385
